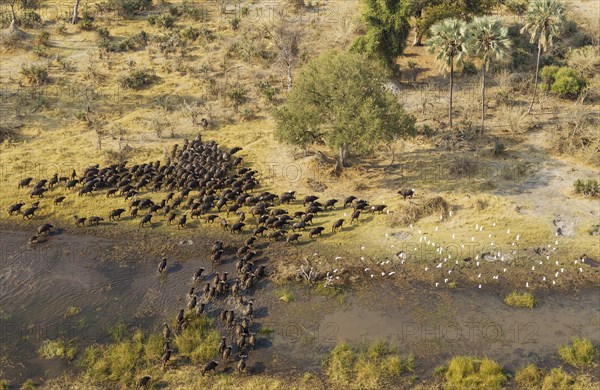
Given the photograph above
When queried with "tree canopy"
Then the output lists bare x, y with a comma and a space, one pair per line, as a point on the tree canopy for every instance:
339, 100
387, 28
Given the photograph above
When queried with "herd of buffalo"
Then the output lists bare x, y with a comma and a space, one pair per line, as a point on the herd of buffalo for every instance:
205, 183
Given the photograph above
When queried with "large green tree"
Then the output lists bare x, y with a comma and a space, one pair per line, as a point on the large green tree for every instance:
448, 40
488, 40
387, 28
338, 99
543, 20
426, 13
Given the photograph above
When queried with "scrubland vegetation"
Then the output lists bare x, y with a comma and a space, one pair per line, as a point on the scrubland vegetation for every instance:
489, 111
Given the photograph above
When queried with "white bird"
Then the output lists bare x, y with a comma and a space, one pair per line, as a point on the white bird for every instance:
344, 214
386, 234
544, 279
547, 257
439, 265
480, 286
391, 273
362, 248
445, 280
527, 284
562, 270
436, 284
556, 262
315, 254
362, 257
580, 269
335, 270
479, 275
494, 224
372, 275
383, 274
426, 269
489, 235
504, 270
518, 236
556, 275
473, 238
402, 262
533, 268
450, 213
556, 242
553, 282
338, 257
436, 228
508, 231
477, 227
410, 225
450, 271
367, 269
453, 236
478, 264
481, 229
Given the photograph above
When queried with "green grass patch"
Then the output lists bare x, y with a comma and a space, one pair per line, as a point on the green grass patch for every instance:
557, 378
466, 372
265, 330
123, 360
284, 295
372, 366
581, 353
72, 311
59, 348
199, 341
529, 377
516, 299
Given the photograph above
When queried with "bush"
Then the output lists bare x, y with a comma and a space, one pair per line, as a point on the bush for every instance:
30, 19
567, 83
589, 187
580, 353
190, 33
235, 23
470, 373
162, 20
525, 300
585, 60
126, 8
35, 74
137, 79
557, 379
469, 68
547, 74
529, 377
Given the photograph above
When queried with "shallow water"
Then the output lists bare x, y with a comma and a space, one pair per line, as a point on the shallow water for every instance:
37, 285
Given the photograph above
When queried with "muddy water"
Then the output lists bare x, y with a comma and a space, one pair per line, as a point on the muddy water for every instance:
37, 285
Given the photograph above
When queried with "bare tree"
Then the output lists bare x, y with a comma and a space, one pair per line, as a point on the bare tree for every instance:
286, 36
75, 11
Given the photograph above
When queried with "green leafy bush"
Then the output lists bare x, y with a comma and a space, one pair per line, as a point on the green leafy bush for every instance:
589, 187
59, 348
567, 83
162, 20
30, 19
137, 79
557, 378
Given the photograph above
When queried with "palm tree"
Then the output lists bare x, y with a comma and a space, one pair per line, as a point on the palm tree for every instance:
448, 38
487, 39
543, 21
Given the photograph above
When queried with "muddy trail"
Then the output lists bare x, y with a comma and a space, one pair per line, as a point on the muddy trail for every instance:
111, 285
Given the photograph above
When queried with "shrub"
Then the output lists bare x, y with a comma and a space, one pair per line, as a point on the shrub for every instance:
517, 7
126, 8
470, 373
589, 187
469, 68
137, 79
585, 60
59, 348
567, 83
529, 377
267, 90
557, 379
498, 148
162, 20
580, 353
30, 19
35, 74
525, 300
235, 23
190, 33
547, 74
